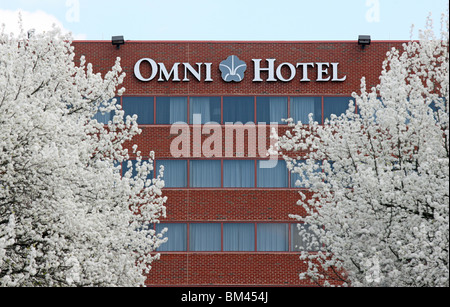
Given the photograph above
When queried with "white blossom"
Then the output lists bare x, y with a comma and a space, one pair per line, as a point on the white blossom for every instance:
380, 205
67, 216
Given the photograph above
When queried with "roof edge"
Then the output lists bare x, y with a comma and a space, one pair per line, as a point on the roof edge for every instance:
240, 41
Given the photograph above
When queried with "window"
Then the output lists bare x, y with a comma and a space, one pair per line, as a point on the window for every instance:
170, 110
238, 109
175, 173
301, 107
134, 171
104, 117
271, 109
205, 237
239, 173
227, 173
205, 173
303, 239
176, 237
207, 107
438, 104
437, 107
238, 237
272, 237
373, 111
141, 106
299, 181
275, 177
335, 105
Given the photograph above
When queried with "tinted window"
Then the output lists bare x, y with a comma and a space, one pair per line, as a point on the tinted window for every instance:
170, 110
141, 106
176, 237
335, 105
207, 107
301, 107
175, 173
205, 237
238, 109
271, 109
205, 173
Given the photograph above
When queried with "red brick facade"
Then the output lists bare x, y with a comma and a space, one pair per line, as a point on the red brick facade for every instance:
354, 62
224, 204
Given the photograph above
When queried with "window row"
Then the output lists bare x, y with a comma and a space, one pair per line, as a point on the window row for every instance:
225, 174
237, 237
220, 109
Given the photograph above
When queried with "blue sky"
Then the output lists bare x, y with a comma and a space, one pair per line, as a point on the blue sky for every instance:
228, 20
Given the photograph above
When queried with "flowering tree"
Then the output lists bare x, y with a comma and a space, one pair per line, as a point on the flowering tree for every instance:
67, 215
379, 176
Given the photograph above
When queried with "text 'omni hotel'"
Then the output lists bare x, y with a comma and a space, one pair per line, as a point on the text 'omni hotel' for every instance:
207, 109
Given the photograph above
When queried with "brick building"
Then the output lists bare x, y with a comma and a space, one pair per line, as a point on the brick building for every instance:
227, 214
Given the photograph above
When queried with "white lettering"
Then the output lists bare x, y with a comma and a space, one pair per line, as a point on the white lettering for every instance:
201, 297
73, 13
197, 135
335, 73
269, 69
373, 14
250, 127
137, 69
173, 71
212, 146
195, 73
181, 145
292, 75
208, 72
321, 71
305, 71
235, 146
263, 151
285, 72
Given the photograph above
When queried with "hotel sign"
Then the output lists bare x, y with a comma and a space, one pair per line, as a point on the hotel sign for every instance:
234, 70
